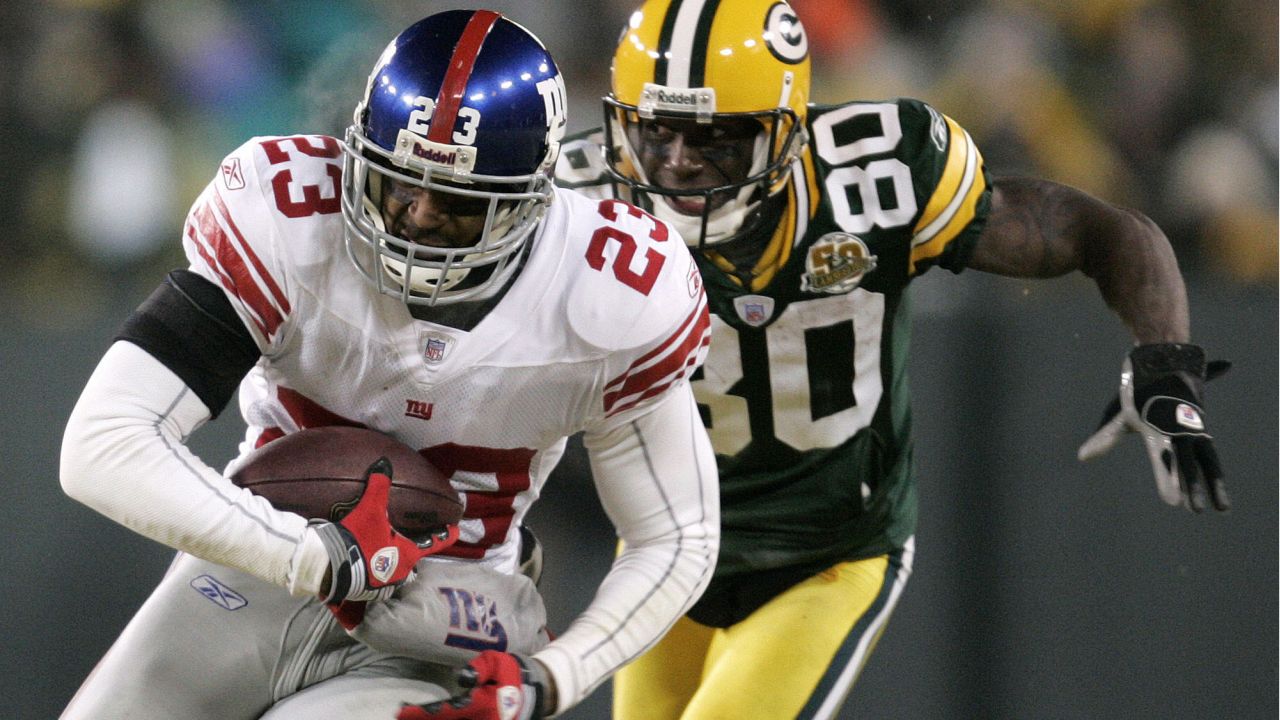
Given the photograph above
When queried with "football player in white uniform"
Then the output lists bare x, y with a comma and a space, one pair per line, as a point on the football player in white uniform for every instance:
424, 279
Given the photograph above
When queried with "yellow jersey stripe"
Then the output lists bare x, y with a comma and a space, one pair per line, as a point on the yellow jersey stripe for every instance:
776, 254
952, 173
954, 203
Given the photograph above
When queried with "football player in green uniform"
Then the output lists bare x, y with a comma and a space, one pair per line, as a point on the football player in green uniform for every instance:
809, 223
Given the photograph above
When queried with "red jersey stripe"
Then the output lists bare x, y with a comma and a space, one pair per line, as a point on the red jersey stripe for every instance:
641, 380
455, 79
281, 301
207, 255
231, 266
662, 347
658, 389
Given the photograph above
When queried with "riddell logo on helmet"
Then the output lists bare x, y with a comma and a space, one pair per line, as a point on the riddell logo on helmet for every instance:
669, 97
414, 149
435, 156
663, 98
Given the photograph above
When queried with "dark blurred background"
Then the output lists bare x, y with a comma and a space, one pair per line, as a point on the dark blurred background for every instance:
1044, 588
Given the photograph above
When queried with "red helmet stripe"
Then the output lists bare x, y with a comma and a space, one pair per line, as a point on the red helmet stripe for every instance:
455, 79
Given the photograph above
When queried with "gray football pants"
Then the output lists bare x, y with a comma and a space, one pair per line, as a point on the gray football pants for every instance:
216, 643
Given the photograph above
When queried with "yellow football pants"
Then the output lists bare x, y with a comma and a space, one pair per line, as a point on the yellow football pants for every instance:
795, 657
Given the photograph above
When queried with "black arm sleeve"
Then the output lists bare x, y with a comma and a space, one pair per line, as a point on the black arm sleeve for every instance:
189, 325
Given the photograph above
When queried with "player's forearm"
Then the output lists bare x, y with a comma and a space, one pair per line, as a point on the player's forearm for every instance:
123, 456
1138, 276
657, 481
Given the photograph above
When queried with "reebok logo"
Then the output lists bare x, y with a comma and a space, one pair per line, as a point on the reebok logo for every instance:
218, 593
232, 175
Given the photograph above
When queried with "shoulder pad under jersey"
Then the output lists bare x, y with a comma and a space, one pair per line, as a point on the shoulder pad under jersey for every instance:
636, 296
632, 280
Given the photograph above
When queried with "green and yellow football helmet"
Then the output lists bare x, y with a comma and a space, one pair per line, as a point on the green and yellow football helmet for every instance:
711, 62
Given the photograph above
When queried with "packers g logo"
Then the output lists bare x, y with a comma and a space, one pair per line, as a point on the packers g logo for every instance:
784, 35
836, 264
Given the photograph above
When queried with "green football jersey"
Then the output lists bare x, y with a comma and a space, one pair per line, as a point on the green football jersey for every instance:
804, 390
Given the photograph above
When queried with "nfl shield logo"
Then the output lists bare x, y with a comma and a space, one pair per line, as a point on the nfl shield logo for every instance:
436, 345
383, 563
435, 350
1188, 417
755, 310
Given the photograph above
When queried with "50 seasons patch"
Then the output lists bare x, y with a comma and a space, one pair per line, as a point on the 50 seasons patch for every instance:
836, 264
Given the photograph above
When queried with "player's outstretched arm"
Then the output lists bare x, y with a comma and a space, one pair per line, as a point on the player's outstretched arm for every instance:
1039, 228
1042, 229
123, 455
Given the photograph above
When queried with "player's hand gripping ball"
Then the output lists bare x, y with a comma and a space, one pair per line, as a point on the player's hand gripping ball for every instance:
376, 504
319, 473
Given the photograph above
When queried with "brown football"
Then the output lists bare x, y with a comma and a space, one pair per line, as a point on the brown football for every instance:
319, 473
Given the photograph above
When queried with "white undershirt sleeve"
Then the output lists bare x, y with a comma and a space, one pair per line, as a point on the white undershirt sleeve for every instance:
656, 477
123, 454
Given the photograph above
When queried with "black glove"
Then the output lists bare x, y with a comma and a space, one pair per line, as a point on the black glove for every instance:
1161, 387
496, 686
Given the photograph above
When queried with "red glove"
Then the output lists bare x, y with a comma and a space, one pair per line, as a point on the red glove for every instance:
368, 557
498, 686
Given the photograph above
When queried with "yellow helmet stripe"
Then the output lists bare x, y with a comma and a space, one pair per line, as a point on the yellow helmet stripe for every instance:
682, 44
955, 200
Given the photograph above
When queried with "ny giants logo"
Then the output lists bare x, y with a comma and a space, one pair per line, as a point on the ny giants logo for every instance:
418, 409
473, 621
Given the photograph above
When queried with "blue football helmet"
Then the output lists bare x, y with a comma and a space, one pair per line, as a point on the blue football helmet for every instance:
464, 102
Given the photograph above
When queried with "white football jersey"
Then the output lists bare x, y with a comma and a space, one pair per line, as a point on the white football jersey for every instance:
607, 315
